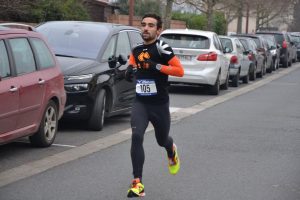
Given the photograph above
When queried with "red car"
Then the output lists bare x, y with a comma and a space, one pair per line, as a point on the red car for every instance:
32, 95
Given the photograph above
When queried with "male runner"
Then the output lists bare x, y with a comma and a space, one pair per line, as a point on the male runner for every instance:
151, 63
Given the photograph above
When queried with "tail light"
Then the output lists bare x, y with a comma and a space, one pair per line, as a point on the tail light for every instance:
211, 56
234, 60
284, 44
250, 56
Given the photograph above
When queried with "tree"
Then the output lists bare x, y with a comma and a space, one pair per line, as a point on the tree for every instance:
42, 10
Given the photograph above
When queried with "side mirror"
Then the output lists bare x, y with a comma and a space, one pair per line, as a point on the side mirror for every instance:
246, 52
112, 62
122, 59
227, 50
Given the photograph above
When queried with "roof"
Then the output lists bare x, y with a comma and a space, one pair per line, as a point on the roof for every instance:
188, 31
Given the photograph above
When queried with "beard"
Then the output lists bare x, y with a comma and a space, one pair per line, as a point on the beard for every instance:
147, 37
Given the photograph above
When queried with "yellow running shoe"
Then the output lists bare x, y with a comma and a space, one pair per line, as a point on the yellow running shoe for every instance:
137, 189
174, 163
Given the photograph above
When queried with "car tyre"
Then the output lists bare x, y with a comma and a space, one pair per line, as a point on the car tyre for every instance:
236, 80
96, 121
253, 73
225, 85
246, 78
45, 136
215, 89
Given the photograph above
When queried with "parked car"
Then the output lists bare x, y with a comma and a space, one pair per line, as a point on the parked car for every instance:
284, 45
239, 67
94, 58
295, 37
274, 50
294, 47
32, 95
254, 56
262, 48
202, 56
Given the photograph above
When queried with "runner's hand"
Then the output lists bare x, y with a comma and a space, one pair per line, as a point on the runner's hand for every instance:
129, 73
151, 65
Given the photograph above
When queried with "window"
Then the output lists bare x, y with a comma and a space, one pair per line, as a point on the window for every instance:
110, 49
4, 63
123, 45
186, 41
43, 54
22, 55
135, 38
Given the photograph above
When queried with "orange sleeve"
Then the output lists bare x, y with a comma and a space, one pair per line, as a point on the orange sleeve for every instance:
132, 60
174, 68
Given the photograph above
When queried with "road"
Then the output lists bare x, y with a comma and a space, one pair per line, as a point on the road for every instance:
243, 144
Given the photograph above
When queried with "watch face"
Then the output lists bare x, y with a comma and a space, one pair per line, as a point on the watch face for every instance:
158, 66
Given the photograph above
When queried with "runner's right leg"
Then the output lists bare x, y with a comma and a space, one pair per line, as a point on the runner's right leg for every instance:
139, 123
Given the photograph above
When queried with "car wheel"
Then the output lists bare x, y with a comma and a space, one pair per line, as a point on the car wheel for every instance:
285, 63
225, 85
215, 89
48, 127
96, 120
253, 73
236, 80
246, 78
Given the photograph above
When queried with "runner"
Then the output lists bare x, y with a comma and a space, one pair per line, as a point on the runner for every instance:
151, 63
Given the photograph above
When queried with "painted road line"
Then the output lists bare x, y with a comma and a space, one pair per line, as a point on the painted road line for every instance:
39, 166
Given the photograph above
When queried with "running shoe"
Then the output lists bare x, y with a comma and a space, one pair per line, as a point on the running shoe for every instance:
174, 162
136, 189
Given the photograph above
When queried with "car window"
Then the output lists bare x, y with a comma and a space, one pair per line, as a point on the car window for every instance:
279, 38
135, 38
123, 44
43, 54
257, 42
226, 43
239, 46
186, 41
245, 44
75, 39
4, 62
110, 49
22, 55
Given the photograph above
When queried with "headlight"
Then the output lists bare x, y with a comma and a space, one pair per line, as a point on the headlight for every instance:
79, 77
76, 87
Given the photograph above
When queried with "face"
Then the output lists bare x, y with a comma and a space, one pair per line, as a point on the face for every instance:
149, 30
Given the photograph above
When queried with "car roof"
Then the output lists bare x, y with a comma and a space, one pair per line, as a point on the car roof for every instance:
7, 31
189, 31
109, 26
270, 32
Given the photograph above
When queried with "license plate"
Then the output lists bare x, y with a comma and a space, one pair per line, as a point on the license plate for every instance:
184, 57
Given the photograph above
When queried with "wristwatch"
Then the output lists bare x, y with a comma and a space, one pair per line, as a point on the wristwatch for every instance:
158, 67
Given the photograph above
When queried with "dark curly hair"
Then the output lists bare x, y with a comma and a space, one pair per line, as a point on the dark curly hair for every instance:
155, 16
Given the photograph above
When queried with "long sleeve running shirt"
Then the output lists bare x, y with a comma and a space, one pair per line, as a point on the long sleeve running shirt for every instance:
151, 85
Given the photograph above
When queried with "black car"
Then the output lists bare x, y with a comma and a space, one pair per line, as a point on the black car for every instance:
284, 44
273, 49
93, 57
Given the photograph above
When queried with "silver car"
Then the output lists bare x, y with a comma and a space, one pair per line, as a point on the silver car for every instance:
239, 67
202, 56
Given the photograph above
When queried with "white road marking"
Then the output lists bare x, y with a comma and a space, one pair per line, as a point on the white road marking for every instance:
39, 166
54, 144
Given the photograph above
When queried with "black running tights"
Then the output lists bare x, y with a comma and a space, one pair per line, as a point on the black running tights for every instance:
141, 115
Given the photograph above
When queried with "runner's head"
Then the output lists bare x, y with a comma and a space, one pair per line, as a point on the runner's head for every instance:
151, 26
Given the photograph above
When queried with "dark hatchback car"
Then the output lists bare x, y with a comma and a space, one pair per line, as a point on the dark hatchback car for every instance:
32, 95
284, 44
93, 57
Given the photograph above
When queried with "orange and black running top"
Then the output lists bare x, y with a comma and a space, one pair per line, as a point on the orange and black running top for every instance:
151, 85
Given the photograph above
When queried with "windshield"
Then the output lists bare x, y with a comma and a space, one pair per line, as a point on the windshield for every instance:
82, 40
186, 41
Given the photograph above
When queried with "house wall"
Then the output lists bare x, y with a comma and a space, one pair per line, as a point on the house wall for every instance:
124, 19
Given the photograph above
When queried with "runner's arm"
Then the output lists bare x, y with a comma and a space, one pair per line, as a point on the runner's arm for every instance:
174, 68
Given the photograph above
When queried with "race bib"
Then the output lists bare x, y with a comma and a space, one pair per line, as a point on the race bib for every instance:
145, 87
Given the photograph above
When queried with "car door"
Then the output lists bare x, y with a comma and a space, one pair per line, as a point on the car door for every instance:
9, 94
243, 59
224, 61
32, 86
